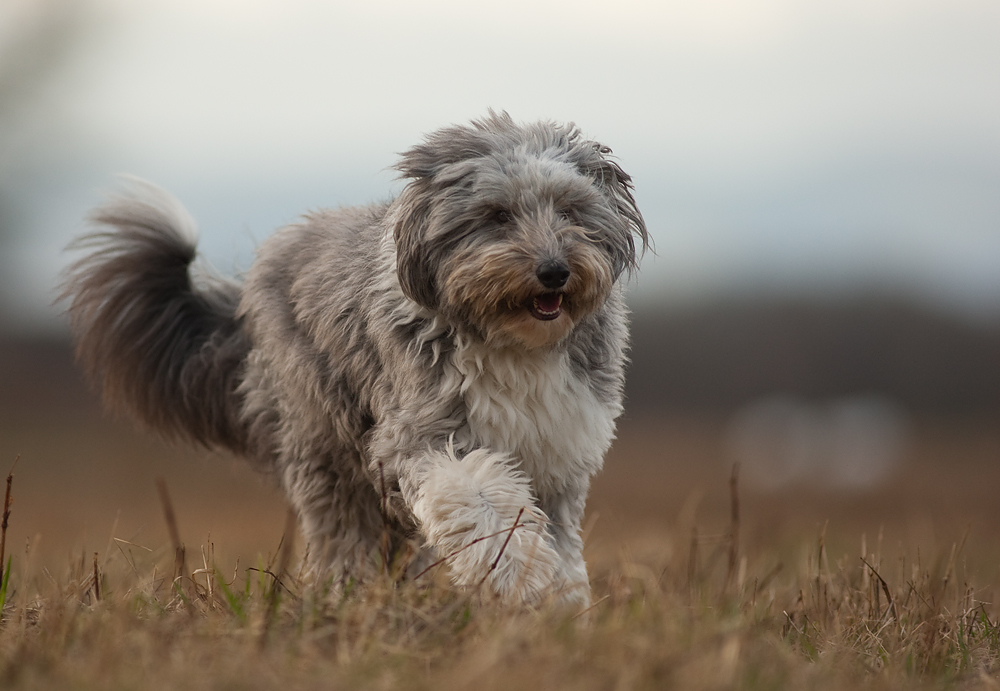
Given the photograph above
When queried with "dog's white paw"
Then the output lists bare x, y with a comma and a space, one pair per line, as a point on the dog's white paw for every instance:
479, 513
527, 569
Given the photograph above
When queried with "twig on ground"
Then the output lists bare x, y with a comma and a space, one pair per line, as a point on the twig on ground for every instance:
885, 588
582, 612
496, 561
467, 546
180, 562
6, 513
97, 580
734, 525
287, 539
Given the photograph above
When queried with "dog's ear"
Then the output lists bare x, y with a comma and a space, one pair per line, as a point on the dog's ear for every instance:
414, 261
452, 145
442, 161
617, 185
442, 149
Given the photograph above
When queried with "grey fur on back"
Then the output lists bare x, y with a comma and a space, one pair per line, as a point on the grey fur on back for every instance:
398, 368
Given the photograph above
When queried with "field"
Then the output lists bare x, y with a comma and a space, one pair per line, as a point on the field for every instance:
890, 587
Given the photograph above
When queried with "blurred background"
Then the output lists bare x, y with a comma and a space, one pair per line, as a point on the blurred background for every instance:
821, 181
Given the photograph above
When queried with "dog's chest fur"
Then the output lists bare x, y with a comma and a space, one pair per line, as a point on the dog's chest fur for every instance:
534, 407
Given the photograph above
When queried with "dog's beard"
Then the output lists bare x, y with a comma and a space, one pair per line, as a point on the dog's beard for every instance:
495, 291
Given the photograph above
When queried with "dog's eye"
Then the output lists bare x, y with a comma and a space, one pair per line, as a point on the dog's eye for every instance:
502, 216
565, 215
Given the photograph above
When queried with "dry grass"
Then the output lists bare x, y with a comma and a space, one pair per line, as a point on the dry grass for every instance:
136, 626
688, 594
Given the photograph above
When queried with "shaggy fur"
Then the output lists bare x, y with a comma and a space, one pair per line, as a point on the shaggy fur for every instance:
427, 369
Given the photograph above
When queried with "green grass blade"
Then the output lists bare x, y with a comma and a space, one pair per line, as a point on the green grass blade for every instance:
3, 585
232, 599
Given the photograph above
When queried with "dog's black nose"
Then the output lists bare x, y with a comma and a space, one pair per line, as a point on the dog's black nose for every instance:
553, 274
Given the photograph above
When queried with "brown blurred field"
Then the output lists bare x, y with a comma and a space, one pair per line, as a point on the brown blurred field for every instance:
83, 476
665, 614
78, 485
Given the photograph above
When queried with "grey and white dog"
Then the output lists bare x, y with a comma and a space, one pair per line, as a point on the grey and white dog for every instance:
431, 369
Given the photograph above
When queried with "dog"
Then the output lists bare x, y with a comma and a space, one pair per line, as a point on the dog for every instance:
442, 370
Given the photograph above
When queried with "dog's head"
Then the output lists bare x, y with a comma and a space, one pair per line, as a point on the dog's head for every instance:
514, 232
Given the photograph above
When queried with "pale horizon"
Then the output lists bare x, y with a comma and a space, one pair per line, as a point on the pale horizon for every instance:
833, 148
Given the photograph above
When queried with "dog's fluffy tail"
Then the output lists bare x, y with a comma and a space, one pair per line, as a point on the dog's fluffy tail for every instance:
162, 348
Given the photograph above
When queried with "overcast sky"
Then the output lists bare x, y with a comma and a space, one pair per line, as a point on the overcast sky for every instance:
787, 146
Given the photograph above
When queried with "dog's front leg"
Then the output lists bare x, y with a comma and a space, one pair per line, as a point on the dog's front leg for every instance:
565, 512
478, 511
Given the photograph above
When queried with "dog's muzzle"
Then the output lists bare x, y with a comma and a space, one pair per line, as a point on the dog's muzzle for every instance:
548, 305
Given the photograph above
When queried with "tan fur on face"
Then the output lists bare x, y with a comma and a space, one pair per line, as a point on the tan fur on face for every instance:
492, 282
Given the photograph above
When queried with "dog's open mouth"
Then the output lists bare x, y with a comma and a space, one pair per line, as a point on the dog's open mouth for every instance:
546, 306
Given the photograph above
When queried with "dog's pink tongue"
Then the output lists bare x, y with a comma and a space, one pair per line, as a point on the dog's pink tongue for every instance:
548, 303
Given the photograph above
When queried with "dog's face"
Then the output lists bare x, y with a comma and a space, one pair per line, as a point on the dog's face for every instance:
514, 233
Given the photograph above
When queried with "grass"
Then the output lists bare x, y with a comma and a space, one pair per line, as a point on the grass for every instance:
699, 581
717, 616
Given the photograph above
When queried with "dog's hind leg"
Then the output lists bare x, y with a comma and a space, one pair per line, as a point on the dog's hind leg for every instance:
339, 516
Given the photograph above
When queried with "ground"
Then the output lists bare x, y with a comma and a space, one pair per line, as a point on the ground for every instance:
889, 586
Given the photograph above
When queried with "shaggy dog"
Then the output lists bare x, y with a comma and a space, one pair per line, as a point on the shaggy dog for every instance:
443, 370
